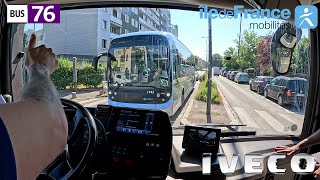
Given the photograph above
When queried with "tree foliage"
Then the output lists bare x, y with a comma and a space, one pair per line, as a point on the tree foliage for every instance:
301, 56
230, 64
217, 60
263, 54
244, 55
247, 49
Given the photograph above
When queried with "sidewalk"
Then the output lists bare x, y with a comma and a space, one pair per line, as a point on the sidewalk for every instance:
82, 94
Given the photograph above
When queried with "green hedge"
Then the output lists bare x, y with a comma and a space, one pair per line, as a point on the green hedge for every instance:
87, 76
62, 77
203, 91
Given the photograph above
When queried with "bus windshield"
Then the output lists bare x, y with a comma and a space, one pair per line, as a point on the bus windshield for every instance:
139, 61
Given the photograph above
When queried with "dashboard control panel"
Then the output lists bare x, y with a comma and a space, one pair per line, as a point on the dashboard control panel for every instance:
139, 142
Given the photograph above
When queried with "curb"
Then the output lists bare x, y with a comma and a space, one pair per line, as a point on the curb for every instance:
234, 117
184, 120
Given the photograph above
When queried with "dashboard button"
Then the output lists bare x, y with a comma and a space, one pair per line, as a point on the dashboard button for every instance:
147, 144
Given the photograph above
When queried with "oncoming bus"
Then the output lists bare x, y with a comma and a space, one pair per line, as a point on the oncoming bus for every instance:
149, 70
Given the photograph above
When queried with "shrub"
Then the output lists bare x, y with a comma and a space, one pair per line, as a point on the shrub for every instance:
88, 77
62, 77
202, 93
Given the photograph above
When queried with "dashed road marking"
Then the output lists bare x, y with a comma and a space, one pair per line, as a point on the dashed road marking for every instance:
245, 117
271, 121
288, 118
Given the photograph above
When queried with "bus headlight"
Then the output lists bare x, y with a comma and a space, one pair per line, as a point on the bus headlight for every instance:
158, 95
110, 92
168, 94
115, 93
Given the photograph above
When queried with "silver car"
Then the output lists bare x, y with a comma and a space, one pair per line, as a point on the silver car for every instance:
242, 78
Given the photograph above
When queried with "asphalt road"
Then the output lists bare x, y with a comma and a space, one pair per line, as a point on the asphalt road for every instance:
259, 113
90, 100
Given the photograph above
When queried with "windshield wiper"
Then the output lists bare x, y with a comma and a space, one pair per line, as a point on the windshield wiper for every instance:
212, 125
232, 132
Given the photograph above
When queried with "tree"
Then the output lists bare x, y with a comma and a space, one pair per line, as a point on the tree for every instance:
300, 57
231, 64
247, 49
217, 60
263, 54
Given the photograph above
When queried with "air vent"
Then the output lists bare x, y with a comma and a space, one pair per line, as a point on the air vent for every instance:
102, 111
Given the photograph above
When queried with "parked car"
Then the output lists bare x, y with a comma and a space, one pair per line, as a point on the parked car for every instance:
287, 90
224, 74
259, 83
228, 74
242, 77
233, 74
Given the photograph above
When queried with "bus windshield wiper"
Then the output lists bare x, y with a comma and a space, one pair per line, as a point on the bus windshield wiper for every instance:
225, 133
212, 125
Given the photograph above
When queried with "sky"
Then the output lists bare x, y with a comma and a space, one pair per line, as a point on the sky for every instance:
191, 29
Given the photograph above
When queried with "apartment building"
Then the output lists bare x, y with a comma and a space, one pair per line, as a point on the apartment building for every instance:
84, 33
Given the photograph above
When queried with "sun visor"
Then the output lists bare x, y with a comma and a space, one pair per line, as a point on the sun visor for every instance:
283, 4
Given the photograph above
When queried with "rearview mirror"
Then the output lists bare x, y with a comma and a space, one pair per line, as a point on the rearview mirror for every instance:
283, 43
288, 40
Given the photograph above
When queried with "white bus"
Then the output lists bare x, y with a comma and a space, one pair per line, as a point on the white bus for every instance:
159, 71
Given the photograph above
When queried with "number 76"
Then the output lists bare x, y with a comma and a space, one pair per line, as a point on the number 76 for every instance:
46, 14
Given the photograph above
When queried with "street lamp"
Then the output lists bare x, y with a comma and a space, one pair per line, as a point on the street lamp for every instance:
206, 37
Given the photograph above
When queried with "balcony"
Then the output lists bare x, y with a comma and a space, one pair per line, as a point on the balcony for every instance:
116, 20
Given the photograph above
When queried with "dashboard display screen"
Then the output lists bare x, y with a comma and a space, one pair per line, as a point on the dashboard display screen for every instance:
133, 122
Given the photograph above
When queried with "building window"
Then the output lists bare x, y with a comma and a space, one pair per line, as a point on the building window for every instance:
126, 18
104, 24
104, 43
115, 13
134, 23
115, 29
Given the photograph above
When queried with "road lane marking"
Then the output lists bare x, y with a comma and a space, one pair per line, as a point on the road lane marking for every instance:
289, 119
275, 124
245, 118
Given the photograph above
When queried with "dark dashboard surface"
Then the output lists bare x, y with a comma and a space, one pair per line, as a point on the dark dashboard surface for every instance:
131, 143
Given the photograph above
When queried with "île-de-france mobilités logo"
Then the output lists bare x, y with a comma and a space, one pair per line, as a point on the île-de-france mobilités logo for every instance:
306, 17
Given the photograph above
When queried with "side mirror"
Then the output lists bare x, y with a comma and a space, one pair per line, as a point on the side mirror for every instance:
283, 43
95, 60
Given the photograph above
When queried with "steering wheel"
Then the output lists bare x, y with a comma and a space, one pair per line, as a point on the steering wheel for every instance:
61, 167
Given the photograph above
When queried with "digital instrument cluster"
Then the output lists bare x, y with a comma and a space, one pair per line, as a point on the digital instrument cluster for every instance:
138, 142
132, 122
